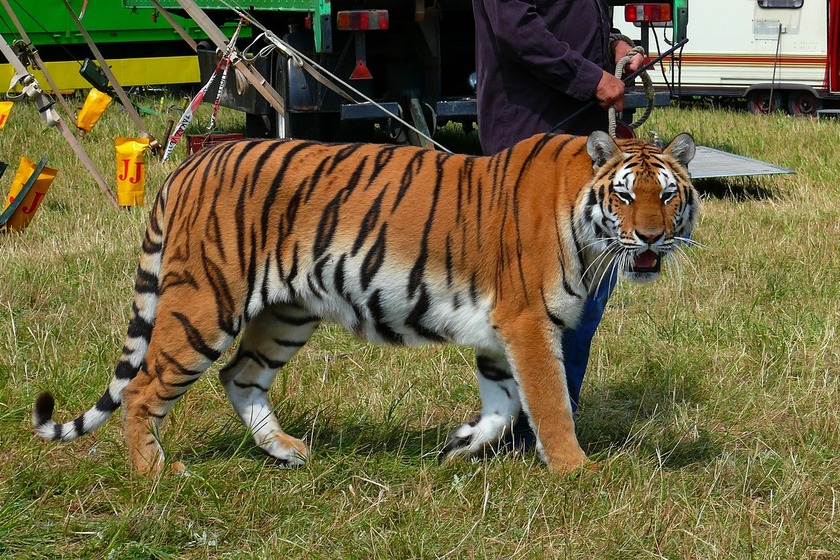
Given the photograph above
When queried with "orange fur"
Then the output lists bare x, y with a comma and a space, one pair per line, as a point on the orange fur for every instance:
400, 244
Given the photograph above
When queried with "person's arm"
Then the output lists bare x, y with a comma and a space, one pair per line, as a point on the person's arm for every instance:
522, 35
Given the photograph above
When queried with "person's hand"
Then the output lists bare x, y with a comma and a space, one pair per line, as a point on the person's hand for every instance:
620, 49
610, 91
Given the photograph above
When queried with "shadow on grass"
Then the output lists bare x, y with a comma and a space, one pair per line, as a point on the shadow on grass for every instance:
638, 416
329, 434
738, 189
648, 415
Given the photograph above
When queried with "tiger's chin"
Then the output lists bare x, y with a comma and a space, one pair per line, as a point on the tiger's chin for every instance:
645, 267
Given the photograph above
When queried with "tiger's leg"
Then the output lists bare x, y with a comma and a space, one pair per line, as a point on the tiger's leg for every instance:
185, 342
535, 355
269, 341
499, 406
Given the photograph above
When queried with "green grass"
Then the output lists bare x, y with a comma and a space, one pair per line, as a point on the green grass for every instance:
711, 402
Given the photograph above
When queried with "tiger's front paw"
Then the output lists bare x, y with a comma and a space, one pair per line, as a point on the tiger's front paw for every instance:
289, 452
570, 462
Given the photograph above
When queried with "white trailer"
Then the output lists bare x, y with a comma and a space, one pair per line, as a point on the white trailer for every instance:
778, 54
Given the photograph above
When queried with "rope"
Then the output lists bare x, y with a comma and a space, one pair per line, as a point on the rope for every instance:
646, 81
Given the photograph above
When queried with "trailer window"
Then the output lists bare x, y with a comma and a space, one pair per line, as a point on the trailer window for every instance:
780, 3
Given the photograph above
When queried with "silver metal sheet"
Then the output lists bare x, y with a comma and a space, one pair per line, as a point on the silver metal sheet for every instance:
709, 163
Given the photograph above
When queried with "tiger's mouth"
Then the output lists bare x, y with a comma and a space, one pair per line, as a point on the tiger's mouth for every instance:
647, 261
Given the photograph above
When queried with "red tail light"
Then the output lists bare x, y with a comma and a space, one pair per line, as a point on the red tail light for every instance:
647, 13
362, 20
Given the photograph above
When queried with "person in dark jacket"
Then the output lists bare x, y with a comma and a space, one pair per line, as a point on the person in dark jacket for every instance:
537, 62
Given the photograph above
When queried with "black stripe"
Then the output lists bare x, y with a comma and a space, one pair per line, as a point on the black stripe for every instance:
138, 327
408, 177
318, 272
274, 188
106, 403
554, 318
287, 222
79, 424
226, 314
338, 276
368, 222
288, 343
326, 227
341, 155
194, 338
384, 330
448, 262
267, 155
374, 258
174, 397
150, 247
417, 271
414, 320
252, 273
490, 371
125, 370
473, 289
314, 179
181, 368
296, 321
383, 157
250, 386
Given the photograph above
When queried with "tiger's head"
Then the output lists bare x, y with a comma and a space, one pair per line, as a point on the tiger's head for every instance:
639, 207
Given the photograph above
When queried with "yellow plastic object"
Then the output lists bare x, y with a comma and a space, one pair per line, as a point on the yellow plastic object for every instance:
131, 170
26, 211
95, 104
5, 109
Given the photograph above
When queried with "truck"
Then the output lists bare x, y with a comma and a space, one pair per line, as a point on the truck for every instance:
415, 58
141, 48
779, 55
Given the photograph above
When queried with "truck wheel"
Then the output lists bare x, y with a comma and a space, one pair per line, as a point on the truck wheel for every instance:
762, 102
803, 103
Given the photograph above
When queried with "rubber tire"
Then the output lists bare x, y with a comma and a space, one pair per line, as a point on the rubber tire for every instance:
803, 102
760, 102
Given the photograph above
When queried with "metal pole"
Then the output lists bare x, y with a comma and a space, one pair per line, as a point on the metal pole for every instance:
103, 64
251, 74
38, 62
51, 117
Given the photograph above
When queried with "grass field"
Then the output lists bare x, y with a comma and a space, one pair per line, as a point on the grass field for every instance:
711, 402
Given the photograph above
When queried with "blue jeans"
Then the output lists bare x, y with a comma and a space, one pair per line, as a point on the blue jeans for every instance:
576, 346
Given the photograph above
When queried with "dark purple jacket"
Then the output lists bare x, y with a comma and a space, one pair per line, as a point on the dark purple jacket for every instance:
537, 61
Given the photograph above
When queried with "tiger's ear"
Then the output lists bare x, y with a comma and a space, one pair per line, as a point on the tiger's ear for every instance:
682, 149
601, 148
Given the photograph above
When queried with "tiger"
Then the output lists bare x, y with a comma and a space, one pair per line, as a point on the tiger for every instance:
401, 245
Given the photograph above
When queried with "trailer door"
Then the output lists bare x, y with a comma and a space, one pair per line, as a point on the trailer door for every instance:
833, 51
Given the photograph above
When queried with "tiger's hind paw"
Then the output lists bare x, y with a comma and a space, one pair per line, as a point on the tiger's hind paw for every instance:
474, 437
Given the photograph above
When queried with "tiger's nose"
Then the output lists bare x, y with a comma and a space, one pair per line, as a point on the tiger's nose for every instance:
649, 238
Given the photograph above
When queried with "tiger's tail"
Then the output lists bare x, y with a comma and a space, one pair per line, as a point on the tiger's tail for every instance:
140, 325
